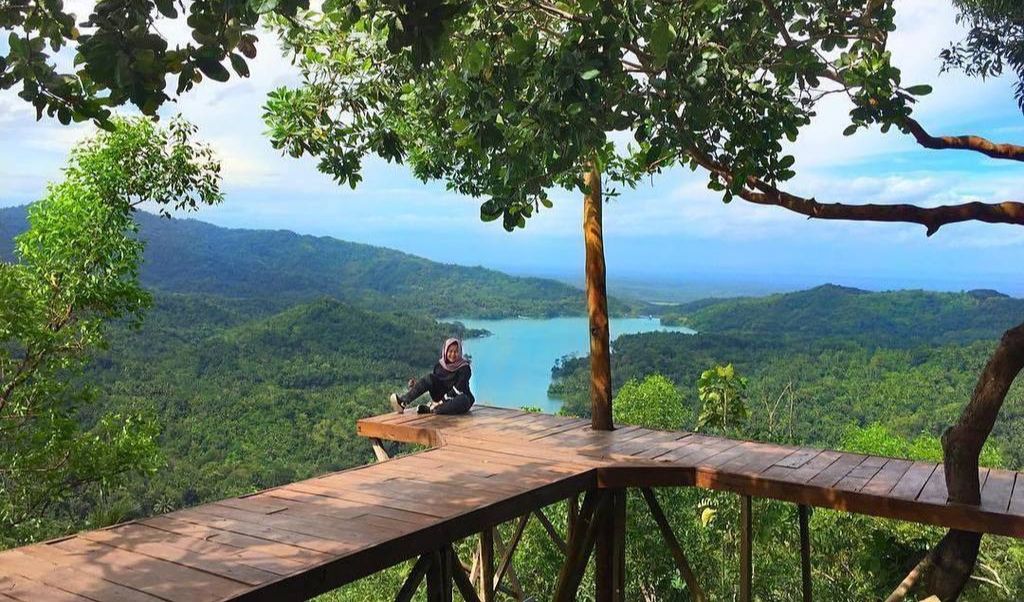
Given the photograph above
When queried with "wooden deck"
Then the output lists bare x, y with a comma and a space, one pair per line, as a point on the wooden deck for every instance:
637, 457
306, 538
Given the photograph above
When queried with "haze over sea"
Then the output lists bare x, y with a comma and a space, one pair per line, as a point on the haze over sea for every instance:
512, 366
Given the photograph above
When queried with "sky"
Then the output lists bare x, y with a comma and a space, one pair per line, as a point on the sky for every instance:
670, 231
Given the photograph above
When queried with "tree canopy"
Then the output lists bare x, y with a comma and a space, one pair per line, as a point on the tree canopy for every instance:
76, 270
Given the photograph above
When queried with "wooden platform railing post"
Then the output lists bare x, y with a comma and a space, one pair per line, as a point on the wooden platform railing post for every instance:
487, 565
746, 549
805, 551
682, 564
573, 514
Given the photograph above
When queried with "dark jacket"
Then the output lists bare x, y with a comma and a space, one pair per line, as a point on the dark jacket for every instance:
450, 384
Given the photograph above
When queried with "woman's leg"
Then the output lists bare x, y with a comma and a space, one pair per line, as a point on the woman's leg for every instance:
418, 388
459, 404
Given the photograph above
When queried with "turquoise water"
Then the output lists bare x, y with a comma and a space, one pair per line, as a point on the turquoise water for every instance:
512, 367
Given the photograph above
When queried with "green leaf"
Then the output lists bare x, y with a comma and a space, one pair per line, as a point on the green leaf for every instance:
661, 40
850, 130
212, 69
263, 7
920, 90
787, 162
239, 65
590, 74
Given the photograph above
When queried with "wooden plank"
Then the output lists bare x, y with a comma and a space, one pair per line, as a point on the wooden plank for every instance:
995, 495
137, 533
934, 491
300, 556
156, 577
799, 457
27, 590
68, 579
1017, 499
913, 481
859, 476
837, 470
886, 478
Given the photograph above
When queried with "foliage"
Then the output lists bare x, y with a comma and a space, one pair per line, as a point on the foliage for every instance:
723, 397
994, 40
518, 98
654, 402
120, 54
77, 270
843, 315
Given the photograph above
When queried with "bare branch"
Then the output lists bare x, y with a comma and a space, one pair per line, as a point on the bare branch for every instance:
760, 192
978, 144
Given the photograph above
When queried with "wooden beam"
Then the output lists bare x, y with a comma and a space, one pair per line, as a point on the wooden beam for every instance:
618, 518
552, 532
682, 564
604, 552
573, 514
487, 565
447, 575
505, 568
461, 577
746, 549
435, 579
378, 449
412, 582
805, 551
592, 515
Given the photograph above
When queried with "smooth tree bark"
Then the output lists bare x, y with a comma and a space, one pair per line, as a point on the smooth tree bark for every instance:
597, 305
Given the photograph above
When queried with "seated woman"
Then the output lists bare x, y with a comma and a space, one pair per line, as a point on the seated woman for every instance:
448, 385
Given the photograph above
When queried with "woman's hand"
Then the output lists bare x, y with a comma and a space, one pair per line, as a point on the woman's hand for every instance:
412, 382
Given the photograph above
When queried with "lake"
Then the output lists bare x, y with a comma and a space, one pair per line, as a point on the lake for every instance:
512, 367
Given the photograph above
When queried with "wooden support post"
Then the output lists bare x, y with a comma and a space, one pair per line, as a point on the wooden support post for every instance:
378, 449
805, 550
592, 515
573, 514
412, 582
487, 565
447, 575
746, 549
461, 577
552, 532
435, 578
619, 541
682, 564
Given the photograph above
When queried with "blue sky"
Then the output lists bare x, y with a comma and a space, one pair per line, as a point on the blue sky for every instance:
671, 230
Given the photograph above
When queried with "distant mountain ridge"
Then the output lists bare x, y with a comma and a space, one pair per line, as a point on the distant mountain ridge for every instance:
892, 318
190, 256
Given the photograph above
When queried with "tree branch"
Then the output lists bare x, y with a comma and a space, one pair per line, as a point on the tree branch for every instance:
759, 192
978, 144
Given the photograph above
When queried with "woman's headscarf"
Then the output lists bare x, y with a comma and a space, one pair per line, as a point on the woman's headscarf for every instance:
459, 361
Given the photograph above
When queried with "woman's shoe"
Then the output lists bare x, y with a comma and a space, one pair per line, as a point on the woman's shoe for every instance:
396, 404
423, 409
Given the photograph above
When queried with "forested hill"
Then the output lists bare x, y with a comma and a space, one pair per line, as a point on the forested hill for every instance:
891, 319
189, 256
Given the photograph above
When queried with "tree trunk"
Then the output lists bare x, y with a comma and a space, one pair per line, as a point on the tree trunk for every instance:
597, 305
957, 552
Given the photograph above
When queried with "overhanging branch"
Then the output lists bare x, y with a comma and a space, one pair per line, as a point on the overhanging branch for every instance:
760, 192
978, 144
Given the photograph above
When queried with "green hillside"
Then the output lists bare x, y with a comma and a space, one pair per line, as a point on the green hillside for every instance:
248, 398
189, 256
898, 318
